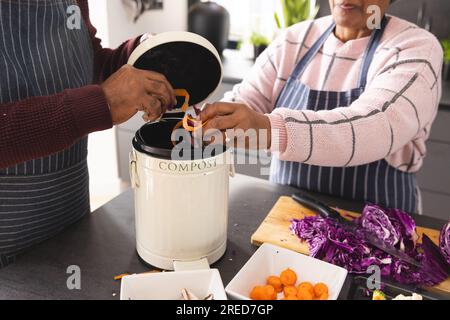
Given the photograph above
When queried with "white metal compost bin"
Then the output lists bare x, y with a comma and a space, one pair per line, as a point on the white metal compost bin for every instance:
181, 206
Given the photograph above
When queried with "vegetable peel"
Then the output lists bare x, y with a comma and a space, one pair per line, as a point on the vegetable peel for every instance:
189, 123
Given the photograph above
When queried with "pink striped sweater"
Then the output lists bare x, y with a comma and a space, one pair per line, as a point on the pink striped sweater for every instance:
391, 120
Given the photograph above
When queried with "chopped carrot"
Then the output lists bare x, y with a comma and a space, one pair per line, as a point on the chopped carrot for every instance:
120, 276
324, 296
257, 293
288, 277
276, 283
306, 286
320, 289
304, 294
290, 297
290, 291
269, 293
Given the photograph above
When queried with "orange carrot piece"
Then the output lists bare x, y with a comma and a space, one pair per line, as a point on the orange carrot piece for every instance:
257, 293
269, 293
120, 276
288, 277
290, 291
275, 282
304, 294
306, 286
324, 296
320, 289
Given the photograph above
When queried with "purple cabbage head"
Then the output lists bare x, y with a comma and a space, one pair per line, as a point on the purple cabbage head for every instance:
392, 226
376, 220
444, 242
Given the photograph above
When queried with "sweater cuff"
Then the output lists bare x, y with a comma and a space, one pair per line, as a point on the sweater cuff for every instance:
132, 44
279, 133
90, 109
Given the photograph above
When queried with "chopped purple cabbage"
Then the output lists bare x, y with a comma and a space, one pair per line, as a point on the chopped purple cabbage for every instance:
330, 242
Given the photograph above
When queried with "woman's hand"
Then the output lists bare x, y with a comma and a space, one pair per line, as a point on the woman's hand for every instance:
241, 119
130, 90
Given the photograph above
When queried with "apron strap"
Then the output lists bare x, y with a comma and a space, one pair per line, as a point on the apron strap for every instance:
309, 56
370, 53
367, 60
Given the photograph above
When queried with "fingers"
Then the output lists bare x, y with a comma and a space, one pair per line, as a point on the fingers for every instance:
153, 109
217, 109
216, 137
159, 90
157, 84
221, 123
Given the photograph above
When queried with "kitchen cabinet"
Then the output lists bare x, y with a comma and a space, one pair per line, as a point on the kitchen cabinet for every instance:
434, 177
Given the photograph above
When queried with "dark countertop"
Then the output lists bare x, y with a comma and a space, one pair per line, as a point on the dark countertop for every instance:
103, 245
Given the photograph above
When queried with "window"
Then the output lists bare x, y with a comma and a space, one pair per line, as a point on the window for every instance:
249, 16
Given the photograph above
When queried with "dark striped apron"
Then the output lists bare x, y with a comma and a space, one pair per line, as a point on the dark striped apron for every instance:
40, 56
377, 182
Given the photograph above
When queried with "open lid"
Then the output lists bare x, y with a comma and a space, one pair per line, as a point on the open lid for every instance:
187, 60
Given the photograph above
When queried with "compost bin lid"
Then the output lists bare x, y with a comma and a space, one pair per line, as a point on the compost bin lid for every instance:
187, 60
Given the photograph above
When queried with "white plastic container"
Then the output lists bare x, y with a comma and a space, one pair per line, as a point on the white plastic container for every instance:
168, 285
272, 260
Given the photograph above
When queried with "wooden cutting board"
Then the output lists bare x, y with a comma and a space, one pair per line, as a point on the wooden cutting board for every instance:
275, 230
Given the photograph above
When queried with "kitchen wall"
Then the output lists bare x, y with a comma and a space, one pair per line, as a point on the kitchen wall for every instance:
115, 19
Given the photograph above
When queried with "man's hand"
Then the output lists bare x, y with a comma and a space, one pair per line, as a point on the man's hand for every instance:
223, 116
130, 90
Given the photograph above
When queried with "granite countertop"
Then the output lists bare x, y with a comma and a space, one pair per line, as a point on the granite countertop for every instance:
103, 245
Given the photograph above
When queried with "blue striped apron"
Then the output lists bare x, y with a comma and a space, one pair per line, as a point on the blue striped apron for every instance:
40, 56
377, 182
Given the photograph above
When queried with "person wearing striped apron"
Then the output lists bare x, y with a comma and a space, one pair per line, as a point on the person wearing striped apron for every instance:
48, 105
356, 141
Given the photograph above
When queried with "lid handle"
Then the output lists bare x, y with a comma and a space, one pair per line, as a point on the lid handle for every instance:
133, 171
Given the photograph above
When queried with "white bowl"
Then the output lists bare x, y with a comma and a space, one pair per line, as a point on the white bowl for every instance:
272, 260
168, 285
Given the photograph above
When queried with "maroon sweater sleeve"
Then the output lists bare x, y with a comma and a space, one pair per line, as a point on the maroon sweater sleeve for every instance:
107, 61
40, 126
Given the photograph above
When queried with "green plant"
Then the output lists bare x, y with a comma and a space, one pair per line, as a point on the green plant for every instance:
259, 40
295, 11
446, 45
